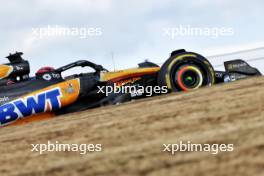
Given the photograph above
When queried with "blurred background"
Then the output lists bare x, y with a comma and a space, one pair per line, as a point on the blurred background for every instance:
130, 31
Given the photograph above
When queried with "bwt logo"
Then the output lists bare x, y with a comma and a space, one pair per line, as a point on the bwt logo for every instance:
30, 105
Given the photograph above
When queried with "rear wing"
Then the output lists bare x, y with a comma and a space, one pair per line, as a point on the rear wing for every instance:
15, 58
17, 70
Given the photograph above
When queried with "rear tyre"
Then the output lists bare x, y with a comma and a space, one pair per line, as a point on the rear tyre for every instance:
186, 71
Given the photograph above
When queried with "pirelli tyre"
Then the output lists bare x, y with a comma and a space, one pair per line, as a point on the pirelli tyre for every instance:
185, 71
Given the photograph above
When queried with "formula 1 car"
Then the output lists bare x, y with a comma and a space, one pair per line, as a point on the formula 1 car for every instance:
24, 99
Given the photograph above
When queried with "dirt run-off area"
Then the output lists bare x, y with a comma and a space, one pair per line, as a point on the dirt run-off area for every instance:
132, 136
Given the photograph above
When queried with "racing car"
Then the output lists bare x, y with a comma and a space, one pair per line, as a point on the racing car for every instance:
25, 98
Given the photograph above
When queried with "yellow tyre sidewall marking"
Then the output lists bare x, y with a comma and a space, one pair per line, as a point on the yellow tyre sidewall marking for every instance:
167, 76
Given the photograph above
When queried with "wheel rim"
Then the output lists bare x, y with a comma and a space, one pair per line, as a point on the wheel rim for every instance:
189, 77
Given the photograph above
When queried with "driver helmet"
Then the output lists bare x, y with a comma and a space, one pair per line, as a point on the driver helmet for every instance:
43, 70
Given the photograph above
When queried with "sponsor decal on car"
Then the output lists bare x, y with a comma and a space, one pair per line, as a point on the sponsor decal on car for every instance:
4, 99
127, 81
235, 66
23, 107
41, 101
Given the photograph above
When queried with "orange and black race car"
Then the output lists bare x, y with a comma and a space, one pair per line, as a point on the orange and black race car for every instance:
25, 99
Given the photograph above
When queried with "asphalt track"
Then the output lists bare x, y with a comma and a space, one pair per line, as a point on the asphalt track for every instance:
132, 136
